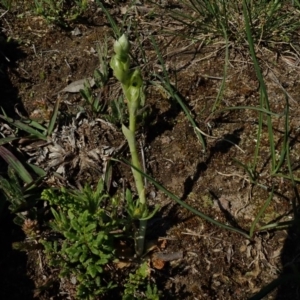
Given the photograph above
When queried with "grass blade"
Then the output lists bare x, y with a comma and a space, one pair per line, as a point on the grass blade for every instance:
221, 90
271, 286
295, 210
53, 117
112, 22
185, 205
264, 101
259, 133
24, 127
259, 109
278, 225
175, 96
250, 172
261, 211
28, 122
296, 179
34, 124
284, 149
15, 164
39, 171
7, 140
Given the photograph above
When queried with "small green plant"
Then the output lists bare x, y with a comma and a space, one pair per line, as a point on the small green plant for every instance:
86, 220
101, 75
21, 185
117, 115
132, 85
22, 199
89, 231
33, 128
94, 102
138, 285
62, 11
101, 78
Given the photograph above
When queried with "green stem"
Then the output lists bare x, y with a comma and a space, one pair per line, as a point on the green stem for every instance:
132, 82
130, 136
140, 238
132, 127
136, 163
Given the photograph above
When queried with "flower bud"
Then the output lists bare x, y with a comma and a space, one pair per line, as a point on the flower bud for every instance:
133, 94
136, 78
134, 87
121, 47
121, 69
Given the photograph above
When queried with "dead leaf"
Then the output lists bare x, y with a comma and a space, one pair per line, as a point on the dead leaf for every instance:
168, 256
122, 264
157, 263
78, 85
124, 9
162, 244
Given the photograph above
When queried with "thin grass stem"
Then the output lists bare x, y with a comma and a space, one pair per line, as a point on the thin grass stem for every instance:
260, 213
221, 89
175, 96
264, 101
185, 205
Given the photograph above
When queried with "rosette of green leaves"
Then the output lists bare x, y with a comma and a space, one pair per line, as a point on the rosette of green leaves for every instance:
84, 220
137, 210
139, 286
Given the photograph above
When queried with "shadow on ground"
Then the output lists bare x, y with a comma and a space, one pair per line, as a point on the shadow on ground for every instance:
288, 282
9, 54
15, 284
290, 257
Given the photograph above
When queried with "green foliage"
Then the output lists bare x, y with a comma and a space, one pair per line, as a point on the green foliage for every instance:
22, 199
33, 128
101, 77
12, 161
139, 287
81, 200
85, 220
117, 114
137, 210
62, 11
95, 102
7, 4
114, 111
270, 21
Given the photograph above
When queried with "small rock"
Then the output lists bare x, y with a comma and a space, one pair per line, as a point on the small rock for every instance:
76, 31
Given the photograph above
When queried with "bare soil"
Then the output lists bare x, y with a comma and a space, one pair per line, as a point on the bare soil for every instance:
216, 264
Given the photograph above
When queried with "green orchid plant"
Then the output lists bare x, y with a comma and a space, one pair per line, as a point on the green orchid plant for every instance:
132, 85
